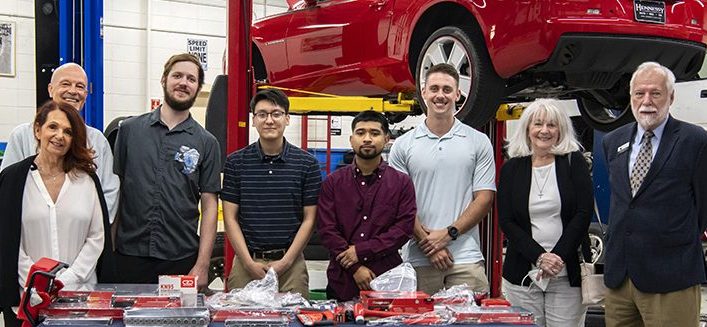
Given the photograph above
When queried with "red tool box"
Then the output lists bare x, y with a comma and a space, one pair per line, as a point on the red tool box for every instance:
386, 304
83, 304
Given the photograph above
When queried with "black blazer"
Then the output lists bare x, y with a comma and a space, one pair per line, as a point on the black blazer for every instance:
654, 237
12, 185
576, 195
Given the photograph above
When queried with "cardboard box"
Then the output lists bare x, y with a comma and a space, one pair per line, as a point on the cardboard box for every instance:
180, 285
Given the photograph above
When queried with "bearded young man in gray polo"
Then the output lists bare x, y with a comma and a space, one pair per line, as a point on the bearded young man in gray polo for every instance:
168, 163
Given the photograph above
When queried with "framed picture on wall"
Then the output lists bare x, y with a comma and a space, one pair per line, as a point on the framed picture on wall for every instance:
7, 48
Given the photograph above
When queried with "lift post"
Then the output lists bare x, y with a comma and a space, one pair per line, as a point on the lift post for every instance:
494, 253
240, 89
81, 41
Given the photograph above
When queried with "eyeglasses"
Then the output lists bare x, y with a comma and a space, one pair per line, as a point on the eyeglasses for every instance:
276, 115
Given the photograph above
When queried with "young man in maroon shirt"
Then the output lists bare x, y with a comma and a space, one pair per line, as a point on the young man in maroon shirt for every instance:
366, 212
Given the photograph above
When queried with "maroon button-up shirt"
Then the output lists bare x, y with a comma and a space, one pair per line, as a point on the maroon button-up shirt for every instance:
376, 214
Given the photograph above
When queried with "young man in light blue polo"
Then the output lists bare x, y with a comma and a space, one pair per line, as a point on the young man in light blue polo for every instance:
452, 168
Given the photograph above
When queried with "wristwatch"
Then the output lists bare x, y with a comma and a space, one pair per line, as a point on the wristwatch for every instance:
453, 232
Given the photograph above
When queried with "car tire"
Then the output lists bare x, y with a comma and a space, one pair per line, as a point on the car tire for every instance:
479, 84
604, 118
111, 131
596, 243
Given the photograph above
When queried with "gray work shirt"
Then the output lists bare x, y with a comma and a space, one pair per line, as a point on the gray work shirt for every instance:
163, 174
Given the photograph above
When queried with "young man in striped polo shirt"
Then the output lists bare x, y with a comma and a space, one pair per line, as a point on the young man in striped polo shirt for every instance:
269, 195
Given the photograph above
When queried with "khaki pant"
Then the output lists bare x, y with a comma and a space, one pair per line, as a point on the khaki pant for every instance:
295, 279
430, 280
626, 306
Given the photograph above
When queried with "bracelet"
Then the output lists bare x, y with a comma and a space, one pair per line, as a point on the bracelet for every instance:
539, 261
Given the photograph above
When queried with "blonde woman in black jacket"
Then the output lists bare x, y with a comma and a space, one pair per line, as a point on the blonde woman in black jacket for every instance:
544, 205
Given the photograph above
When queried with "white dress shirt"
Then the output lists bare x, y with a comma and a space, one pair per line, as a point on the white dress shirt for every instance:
22, 145
70, 230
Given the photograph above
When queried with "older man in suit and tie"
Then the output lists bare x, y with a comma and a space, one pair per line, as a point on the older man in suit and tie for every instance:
657, 169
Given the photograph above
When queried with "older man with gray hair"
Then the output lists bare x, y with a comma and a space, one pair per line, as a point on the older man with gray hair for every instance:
654, 263
69, 84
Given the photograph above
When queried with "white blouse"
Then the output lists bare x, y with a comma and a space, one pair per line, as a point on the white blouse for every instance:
544, 207
70, 230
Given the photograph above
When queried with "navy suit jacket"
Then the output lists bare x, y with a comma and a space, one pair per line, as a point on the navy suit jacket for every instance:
654, 237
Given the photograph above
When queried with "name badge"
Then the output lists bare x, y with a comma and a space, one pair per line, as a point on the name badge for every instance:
622, 148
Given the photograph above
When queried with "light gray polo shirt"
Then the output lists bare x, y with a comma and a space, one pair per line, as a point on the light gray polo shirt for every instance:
164, 173
446, 171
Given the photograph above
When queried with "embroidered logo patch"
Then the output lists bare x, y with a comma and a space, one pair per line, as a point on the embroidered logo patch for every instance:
188, 156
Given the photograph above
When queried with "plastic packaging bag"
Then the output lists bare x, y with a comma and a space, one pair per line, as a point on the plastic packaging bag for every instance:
459, 295
257, 293
401, 278
260, 292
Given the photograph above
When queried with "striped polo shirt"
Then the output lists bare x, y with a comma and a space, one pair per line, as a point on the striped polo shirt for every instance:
271, 192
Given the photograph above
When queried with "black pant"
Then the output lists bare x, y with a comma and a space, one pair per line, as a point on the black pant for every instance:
146, 270
10, 318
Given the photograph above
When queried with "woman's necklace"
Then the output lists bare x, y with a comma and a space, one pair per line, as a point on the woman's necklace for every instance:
48, 176
536, 174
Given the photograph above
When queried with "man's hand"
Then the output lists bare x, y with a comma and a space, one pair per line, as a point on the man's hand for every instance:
442, 260
434, 241
425, 229
280, 266
363, 277
348, 258
256, 270
202, 272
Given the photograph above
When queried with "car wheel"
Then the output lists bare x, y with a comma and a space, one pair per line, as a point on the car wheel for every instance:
605, 112
481, 88
596, 244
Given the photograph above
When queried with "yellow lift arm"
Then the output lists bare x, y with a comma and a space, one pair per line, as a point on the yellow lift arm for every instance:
509, 111
328, 103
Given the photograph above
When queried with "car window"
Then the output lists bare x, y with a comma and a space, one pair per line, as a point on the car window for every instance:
703, 71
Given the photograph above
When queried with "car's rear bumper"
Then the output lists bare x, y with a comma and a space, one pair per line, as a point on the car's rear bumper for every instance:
599, 60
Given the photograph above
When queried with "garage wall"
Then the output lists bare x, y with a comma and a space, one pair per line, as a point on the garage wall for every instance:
17, 93
139, 36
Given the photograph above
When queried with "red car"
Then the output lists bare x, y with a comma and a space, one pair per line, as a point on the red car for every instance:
505, 50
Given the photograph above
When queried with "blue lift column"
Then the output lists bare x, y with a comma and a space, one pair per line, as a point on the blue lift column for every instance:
81, 41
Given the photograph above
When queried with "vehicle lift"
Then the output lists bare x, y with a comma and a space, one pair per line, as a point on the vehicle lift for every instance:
241, 89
